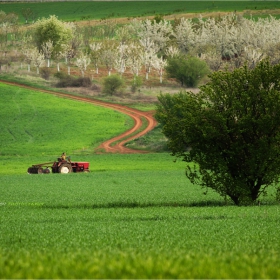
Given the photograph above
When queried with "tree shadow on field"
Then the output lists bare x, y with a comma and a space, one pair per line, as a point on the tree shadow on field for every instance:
135, 204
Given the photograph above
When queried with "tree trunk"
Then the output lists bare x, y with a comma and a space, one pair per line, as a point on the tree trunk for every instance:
235, 199
255, 190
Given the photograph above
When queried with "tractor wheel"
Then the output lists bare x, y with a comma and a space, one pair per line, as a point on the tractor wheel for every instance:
40, 170
47, 171
65, 168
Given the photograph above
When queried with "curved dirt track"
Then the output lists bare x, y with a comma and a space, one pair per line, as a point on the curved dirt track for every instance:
116, 144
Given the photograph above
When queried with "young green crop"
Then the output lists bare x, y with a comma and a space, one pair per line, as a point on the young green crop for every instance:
131, 224
81, 10
34, 123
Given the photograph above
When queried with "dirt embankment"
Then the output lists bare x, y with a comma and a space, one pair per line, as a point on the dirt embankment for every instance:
116, 144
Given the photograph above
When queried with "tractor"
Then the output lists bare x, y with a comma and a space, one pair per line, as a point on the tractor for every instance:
59, 166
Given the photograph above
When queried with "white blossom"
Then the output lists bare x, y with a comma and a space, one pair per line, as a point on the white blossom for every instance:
82, 62
159, 64
37, 59
47, 48
95, 48
135, 58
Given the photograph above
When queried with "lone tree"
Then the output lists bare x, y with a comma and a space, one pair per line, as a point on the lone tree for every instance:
27, 13
229, 131
52, 30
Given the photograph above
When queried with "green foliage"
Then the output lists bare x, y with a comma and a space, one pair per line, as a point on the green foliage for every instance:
278, 194
136, 83
35, 123
158, 18
28, 14
153, 141
66, 80
231, 129
45, 73
187, 70
54, 30
112, 84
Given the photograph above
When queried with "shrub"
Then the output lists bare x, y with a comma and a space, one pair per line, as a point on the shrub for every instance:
112, 84
96, 87
45, 73
60, 75
158, 18
65, 81
187, 70
81, 82
68, 81
136, 83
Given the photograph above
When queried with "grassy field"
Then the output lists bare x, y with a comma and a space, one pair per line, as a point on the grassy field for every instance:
76, 11
131, 224
35, 123
132, 216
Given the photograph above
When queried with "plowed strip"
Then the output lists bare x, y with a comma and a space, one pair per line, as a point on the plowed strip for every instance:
116, 144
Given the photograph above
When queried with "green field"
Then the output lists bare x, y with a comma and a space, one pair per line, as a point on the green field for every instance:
75, 11
132, 216
131, 224
35, 123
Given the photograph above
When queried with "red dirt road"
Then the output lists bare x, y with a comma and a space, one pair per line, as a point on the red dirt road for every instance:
116, 144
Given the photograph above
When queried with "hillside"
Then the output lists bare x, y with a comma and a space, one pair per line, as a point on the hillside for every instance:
36, 122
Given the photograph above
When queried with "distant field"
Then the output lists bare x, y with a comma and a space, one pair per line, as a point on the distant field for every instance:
76, 11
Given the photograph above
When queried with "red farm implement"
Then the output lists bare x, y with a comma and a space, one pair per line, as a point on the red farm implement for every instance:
59, 166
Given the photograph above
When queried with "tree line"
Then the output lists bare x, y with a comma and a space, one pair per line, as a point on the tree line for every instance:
214, 43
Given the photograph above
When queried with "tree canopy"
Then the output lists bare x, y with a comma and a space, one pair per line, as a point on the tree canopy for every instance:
52, 30
229, 131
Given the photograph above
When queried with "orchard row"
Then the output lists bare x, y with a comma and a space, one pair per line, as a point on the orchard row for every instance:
140, 46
